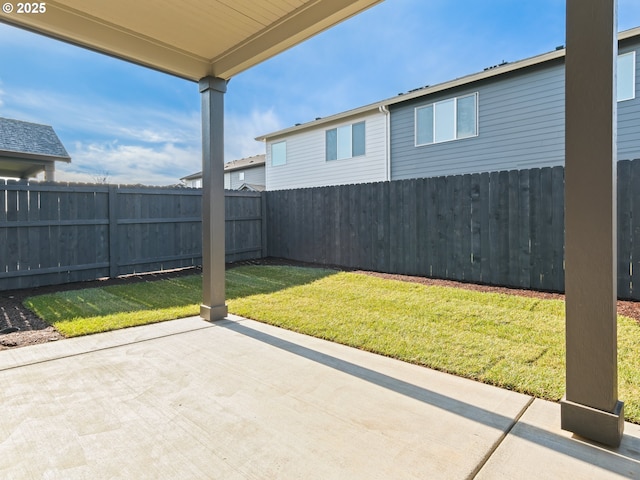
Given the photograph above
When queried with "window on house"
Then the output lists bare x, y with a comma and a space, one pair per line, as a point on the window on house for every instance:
451, 119
345, 142
241, 176
626, 76
278, 153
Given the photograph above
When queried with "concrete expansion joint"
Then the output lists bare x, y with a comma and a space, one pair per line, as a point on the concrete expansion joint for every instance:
99, 349
498, 442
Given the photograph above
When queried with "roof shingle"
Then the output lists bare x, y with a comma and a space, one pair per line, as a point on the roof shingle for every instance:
33, 138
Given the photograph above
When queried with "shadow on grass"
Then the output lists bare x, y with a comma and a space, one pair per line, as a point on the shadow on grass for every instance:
169, 295
259, 280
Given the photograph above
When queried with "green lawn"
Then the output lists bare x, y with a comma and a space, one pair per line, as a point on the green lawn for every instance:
509, 341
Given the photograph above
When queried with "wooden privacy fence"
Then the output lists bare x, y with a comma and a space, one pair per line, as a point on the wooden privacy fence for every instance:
499, 228
53, 233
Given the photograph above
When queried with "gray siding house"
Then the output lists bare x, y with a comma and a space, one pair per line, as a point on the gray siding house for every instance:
510, 116
520, 121
243, 174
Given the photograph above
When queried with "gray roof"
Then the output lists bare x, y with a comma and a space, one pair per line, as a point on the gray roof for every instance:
252, 187
249, 162
32, 138
233, 165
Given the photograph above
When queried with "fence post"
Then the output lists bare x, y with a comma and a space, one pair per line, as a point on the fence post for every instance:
113, 231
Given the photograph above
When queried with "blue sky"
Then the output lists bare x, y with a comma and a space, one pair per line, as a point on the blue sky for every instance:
140, 126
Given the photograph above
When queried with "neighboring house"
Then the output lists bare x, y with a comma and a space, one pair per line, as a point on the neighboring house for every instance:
510, 116
350, 147
243, 174
28, 149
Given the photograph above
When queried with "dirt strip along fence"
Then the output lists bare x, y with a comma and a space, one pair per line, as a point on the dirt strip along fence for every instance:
500, 228
53, 233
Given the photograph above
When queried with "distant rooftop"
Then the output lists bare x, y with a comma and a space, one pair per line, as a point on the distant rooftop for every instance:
248, 162
33, 138
242, 163
27, 149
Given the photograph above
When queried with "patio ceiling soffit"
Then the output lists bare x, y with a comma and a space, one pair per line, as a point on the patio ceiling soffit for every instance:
191, 39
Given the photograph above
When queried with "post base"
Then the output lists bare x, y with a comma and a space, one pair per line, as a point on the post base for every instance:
211, 314
593, 424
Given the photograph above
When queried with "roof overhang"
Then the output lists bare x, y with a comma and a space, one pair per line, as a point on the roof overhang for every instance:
191, 39
25, 165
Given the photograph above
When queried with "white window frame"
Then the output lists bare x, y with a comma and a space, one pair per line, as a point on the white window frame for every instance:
455, 120
344, 128
284, 161
241, 176
633, 76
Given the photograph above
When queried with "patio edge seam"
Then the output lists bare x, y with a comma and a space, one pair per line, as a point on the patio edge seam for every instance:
498, 442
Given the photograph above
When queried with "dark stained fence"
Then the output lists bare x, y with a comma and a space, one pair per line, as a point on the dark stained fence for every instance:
52, 233
629, 229
244, 226
499, 228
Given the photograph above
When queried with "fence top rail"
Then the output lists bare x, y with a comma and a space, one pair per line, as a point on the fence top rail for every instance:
13, 185
42, 187
240, 193
142, 190
29, 185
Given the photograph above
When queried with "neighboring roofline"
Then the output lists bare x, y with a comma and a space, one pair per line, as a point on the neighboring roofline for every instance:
233, 165
245, 163
34, 156
193, 176
253, 187
245, 167
458, 82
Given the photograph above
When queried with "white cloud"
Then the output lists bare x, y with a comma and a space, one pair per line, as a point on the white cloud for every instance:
133, 143
166, 163
129, 164
241, 131
104, 117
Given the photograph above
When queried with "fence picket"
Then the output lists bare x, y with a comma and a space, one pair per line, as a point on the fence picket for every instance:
524, 233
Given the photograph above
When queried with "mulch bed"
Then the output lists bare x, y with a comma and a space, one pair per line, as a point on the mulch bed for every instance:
32, 330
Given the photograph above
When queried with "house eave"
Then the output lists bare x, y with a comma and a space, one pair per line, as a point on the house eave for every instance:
196, 52
322, 121
44, 158
458, 82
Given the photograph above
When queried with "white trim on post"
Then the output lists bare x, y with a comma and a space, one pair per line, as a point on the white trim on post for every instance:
591, 407
213, 305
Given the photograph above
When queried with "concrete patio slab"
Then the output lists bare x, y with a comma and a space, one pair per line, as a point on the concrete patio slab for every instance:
238, 399
537, 448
